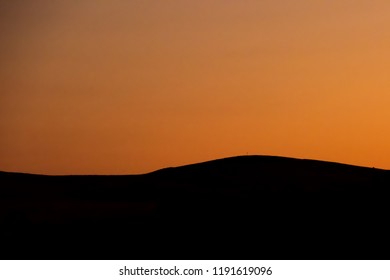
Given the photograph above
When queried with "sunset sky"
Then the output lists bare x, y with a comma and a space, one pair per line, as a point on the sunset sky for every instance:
128, 87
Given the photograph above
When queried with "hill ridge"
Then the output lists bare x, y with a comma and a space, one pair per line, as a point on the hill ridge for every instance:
261, 202
212, 161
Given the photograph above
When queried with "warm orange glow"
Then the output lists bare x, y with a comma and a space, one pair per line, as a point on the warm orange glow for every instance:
113, 87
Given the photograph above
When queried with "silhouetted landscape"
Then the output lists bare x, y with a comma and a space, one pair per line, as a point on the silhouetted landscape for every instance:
261, 207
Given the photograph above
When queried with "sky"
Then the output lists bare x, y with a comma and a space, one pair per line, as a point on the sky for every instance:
128, 87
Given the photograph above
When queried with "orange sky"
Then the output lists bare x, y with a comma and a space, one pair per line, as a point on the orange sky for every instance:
122, 87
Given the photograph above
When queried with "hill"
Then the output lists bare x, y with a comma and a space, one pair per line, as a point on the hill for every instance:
261, 207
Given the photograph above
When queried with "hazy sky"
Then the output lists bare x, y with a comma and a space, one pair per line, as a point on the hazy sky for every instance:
119, 87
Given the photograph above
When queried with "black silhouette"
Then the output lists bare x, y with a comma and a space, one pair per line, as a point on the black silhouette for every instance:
260, 207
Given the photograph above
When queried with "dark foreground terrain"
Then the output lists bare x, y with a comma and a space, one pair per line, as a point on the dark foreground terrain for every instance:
248, 207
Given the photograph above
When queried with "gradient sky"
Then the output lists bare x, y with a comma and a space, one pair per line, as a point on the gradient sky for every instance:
124, 87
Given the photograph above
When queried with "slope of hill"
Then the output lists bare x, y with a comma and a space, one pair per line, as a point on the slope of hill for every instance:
261, 207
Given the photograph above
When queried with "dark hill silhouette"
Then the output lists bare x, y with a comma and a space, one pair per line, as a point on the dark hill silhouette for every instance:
261, 207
